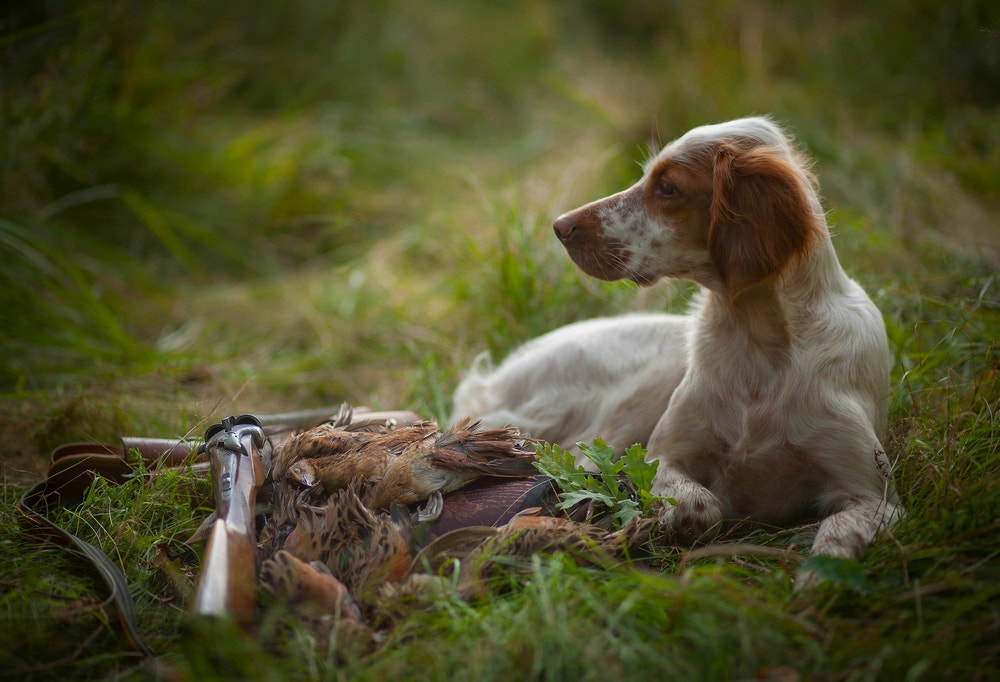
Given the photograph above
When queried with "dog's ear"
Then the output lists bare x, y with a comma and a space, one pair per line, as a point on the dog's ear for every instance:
761, 215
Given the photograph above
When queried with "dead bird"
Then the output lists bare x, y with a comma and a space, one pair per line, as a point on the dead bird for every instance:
408, 464
476, 551
292, 483
308, 587
317, 599
342, 437
338, 556
335, 458
454, 459
359, 546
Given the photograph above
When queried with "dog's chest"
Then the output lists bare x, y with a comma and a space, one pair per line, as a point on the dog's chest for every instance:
749, 458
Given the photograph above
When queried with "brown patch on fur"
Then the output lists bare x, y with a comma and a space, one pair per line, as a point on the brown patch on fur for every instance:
688, 208
761, 217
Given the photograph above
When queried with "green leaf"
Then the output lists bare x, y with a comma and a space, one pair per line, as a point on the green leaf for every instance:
842, 572
627, 510
560, 465
575, 497
603, 455
635, 466
600, 453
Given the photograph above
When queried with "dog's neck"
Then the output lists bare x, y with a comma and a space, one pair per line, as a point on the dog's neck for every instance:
818, 275
756, 320
763, 316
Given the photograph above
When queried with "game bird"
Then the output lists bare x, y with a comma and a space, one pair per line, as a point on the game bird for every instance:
408, 464
337, 561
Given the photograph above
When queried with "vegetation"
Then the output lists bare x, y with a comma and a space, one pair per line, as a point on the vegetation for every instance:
222, 208
621, 486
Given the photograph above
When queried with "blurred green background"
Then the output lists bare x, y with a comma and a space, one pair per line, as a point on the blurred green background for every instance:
242, 206
214, 208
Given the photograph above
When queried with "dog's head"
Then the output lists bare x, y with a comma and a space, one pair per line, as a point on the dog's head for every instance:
727, 206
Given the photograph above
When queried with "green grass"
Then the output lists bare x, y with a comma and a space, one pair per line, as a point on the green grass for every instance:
217, 210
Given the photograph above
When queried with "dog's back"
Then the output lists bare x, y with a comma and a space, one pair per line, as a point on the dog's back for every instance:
609, 377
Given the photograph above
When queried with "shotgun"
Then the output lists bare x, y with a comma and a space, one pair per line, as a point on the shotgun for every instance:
228, 584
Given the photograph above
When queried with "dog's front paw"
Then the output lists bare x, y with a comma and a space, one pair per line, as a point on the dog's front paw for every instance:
806, 580
697, 515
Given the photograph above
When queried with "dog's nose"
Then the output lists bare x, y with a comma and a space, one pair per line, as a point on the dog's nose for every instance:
564, 227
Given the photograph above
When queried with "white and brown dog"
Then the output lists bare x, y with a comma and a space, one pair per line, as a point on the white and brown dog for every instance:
768, 401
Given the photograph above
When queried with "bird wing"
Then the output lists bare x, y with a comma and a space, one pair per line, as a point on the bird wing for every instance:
491, 452
394, 442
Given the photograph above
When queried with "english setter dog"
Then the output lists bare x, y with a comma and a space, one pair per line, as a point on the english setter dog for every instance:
768, 401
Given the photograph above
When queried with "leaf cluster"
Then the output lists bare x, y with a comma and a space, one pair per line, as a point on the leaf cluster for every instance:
622, 485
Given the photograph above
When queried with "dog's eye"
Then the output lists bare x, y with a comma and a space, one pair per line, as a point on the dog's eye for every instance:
665, 189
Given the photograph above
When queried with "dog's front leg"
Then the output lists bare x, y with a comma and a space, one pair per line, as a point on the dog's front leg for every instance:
848, 532
692, 513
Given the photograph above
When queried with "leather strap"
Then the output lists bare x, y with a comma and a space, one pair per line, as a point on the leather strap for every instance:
72, 469
34, 506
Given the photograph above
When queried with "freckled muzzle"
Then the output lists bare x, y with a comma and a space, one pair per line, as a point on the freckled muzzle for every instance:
585, 235
581, 234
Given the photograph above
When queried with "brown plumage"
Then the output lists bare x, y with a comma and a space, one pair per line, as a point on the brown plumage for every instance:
316, 599
336, 458
456, 458
408, 464
293, 481
358, 546
525, 535
339, 558
528, 534
339, 437
308, 587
